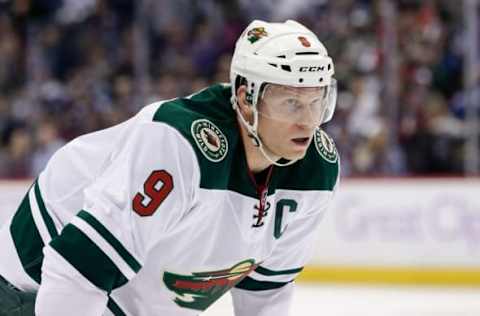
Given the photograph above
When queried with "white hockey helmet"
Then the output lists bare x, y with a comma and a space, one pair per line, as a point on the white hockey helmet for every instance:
284, 54
281, 53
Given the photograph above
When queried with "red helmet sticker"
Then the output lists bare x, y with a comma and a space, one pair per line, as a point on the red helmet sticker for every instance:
304, 41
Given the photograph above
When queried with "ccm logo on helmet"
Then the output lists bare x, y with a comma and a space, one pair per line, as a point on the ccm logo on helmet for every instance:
311, 68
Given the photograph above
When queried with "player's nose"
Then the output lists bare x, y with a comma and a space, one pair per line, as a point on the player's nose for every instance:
306, 121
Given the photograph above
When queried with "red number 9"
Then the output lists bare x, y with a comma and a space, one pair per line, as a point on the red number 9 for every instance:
156, 195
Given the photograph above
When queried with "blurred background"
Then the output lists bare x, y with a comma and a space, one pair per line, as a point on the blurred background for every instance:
406, 124
407, 72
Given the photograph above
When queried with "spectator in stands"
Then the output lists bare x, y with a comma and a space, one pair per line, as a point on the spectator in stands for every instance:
77, 62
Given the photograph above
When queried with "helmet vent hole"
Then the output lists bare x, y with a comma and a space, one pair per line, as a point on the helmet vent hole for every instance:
329, 66
281, 56
274, 65
287, 68
306, 53
300, 80
321, 79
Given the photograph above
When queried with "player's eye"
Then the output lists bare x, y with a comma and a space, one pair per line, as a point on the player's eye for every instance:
316, 104
292, 105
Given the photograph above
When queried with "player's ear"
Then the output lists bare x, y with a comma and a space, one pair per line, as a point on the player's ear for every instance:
245, 107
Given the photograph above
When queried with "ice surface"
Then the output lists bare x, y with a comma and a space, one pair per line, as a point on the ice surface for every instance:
343, 300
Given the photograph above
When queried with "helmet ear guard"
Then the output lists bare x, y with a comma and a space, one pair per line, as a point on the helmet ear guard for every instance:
249, 95
236, 83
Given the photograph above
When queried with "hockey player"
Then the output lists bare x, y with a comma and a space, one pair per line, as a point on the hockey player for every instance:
189, 199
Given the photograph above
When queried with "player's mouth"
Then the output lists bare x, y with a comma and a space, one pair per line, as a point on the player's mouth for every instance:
301, 141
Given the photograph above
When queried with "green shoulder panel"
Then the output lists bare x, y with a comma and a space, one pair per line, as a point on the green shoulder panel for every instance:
207, 121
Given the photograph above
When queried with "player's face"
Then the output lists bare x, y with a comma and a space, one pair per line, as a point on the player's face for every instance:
288, 117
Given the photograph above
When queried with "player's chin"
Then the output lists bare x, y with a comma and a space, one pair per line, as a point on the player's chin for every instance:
297, 149
296, 154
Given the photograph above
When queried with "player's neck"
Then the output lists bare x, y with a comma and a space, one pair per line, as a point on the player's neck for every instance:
256, 161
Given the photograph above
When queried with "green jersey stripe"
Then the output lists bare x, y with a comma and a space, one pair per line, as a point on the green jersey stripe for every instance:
104, 246
254, 285
83, 254
112, 240
43, 211
268, 272
27, 240
37, 217
114, 308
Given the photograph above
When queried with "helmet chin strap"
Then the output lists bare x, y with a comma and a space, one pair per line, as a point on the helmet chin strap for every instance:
262, 150
257, 142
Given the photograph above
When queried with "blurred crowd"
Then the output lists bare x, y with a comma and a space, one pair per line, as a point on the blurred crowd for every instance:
75, 66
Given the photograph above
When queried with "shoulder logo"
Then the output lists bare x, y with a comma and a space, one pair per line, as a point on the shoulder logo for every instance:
210, 139
325, 146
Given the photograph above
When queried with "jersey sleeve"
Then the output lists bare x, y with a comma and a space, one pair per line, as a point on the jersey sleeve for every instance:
269, 288
142, 192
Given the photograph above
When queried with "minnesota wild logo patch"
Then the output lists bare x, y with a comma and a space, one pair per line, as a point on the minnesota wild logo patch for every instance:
256, 33
210, 139
325, 146
201, 289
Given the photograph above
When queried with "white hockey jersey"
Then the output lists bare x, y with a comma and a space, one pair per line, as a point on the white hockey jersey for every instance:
160, 216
